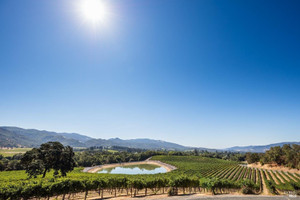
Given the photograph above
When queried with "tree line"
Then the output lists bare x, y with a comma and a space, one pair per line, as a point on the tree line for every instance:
287, 155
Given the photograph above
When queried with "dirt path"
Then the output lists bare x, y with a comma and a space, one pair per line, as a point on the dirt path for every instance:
233, 173
293, 178
265, 190
274, 178
242, 173
279, 177
296, 177
267, 175
285, 176
206, 197
256, 176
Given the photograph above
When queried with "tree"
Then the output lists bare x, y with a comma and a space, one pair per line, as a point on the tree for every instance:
287, 155
196, 152
67, 162
2, 166
31, 162
51, 155
252, 157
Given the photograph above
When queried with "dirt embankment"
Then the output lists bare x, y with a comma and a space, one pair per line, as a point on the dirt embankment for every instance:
150, 162
273, 167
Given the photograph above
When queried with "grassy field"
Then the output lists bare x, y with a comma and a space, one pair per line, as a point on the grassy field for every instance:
11, 152
112, 151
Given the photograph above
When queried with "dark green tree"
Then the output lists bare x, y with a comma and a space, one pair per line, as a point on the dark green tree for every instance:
196, 152
32, 163
67, 162
51, 155
252, 157
2, 166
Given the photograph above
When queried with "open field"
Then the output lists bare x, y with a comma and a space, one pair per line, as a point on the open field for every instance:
112, 151
11, 152
194, 175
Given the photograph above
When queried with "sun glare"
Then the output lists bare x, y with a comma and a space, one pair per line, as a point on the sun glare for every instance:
94, 11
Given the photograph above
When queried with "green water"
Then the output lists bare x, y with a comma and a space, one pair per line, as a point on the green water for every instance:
135, 169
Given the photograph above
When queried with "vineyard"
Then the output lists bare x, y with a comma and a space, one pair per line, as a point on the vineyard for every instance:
194, 174
13, 151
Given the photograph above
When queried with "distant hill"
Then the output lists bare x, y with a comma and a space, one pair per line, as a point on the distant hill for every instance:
11, 139
137, 143
258, 148
19, 137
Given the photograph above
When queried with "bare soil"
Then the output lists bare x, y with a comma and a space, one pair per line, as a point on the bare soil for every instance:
293, 178
265, 189
274, 167
279, 177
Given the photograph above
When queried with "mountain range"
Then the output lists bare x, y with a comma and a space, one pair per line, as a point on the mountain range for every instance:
19, 137
258, 148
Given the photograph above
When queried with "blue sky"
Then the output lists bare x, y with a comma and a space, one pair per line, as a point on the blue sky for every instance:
200, 72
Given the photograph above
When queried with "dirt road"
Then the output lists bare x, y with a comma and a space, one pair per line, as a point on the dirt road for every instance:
205, 197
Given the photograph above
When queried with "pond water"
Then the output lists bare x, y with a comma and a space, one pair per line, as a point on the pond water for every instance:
134, 169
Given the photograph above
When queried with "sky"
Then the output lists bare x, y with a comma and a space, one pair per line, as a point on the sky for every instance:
203, 73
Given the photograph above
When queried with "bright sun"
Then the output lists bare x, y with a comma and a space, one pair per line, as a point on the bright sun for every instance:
94, 11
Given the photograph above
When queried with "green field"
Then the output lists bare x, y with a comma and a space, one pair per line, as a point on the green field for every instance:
11, 152
215, 175
112, 151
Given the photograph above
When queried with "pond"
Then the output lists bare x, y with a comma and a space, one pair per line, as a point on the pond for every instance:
134, 169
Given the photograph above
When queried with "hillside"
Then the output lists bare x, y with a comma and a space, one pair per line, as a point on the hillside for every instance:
11, 139
258, 148
19, 137
136, 143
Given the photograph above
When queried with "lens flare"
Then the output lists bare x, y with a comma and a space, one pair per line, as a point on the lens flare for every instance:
94, 11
